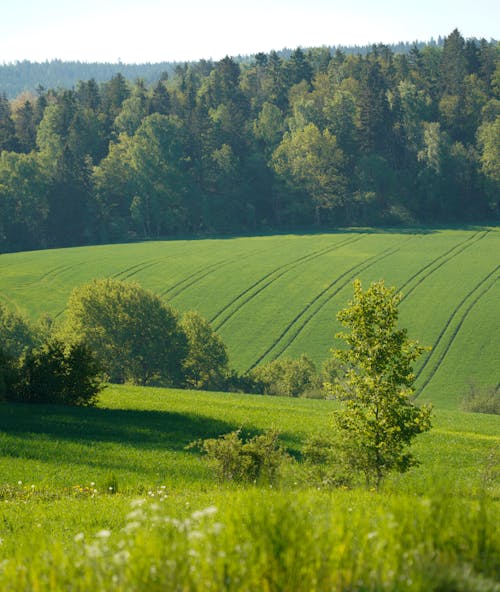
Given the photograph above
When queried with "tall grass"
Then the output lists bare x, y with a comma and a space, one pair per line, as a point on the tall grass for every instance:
277, 541
109, 499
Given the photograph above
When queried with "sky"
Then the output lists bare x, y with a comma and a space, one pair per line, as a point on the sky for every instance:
138, 31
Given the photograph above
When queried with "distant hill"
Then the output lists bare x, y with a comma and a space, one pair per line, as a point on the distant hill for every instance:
22, 76
275, 296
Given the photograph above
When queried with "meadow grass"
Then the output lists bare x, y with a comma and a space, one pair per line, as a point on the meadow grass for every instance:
277, 296
167, 524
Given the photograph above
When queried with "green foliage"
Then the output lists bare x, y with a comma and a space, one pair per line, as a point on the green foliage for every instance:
286, 377
274, 141
312, 162
16, 335
257, 460
481, 400
8, 374
134, 333
206, 365
378, 421
56, 373
326, 463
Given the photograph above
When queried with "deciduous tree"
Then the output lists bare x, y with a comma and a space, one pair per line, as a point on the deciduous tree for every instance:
378, 420
133, 332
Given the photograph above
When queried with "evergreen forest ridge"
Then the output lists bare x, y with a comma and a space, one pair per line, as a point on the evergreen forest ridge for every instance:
315, 139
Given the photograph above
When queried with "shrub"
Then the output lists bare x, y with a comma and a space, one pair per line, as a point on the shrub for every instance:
325, 463
481, 400
257, 460
16, 335
56, 373
8, 374
286, 377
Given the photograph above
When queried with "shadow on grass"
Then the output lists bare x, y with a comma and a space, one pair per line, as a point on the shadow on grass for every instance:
137, 428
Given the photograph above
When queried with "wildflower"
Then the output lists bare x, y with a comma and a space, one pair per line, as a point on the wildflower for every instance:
93, 551
121, 557
131, 526
79, 537
210, 511
103, 534
19, 482
135, 515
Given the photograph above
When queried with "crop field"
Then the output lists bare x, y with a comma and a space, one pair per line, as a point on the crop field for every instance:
278, 296
108, 498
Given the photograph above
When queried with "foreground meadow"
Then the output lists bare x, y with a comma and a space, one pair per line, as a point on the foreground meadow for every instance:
108, 498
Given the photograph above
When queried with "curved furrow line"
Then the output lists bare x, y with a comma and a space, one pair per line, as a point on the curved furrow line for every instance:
347, 276
146, 266
243, 297
190, 276
482, 291
422, 269
131, 268
468, 243
46, 275
201, 273
338, 288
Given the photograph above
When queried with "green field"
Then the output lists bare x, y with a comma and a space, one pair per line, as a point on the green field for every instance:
278, 295
172, 526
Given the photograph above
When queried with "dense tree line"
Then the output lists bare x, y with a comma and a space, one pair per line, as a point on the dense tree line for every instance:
316, 139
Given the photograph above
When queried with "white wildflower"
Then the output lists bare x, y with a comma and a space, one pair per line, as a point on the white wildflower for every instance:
121, 557
78, 537
131, 526
210, 511
93, 551
103, 534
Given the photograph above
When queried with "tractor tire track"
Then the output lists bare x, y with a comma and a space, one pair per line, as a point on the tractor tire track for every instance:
339, 283
201, 273
244, 297
442, 259
482, 291
50, 274
133, 268
146, 266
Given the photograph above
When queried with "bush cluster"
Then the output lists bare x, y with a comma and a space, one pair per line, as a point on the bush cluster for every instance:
255, 460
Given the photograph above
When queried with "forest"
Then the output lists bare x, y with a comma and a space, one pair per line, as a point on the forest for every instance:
316, 139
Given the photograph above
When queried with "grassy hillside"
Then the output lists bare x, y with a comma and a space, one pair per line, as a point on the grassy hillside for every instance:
171, 526
274, 296
139, 435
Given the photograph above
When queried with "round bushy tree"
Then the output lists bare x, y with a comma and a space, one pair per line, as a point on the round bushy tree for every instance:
206, 365
134, 333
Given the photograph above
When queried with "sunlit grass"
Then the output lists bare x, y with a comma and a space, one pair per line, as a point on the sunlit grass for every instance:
109, 499
278, 295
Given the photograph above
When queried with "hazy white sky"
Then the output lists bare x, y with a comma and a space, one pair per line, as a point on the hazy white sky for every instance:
155, 30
